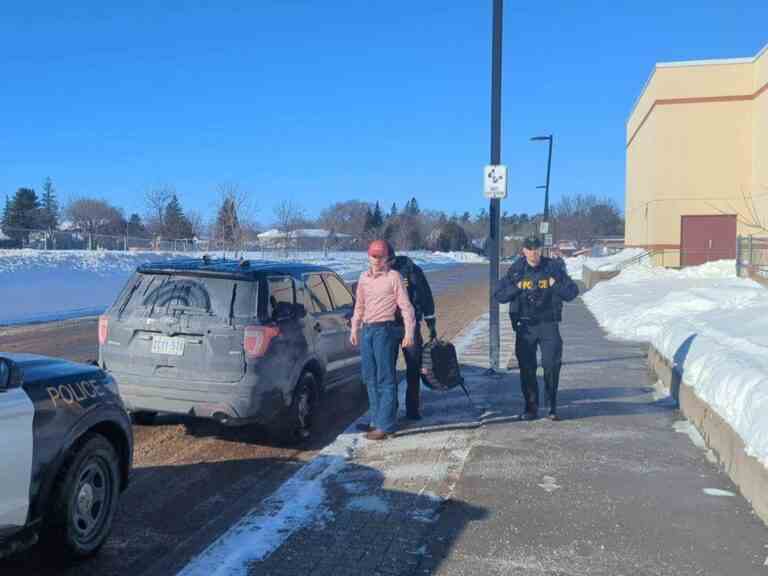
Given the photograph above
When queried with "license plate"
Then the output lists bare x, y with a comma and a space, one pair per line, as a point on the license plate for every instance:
167, 345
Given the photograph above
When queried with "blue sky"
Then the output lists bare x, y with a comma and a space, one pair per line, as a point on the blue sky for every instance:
323, 101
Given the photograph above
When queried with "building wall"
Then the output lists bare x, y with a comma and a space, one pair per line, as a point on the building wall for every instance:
697, 143
760, 141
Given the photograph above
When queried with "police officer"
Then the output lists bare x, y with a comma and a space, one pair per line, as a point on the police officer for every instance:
536, 287
423, 304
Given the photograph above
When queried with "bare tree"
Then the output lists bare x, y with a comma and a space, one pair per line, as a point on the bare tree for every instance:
157, 199
196, 220
345, 217
96, 216
289, 216
585, 216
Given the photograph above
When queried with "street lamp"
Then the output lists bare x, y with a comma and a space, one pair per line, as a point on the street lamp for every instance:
551, 139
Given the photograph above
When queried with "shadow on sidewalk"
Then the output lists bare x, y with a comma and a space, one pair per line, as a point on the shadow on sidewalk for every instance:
332, 516
498, 399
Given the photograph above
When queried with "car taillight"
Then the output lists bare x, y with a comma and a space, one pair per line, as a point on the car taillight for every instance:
256, 340
103, 325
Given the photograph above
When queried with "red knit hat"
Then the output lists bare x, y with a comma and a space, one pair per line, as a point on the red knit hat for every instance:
378, 248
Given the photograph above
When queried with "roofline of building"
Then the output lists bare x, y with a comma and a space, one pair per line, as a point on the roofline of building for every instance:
684, 63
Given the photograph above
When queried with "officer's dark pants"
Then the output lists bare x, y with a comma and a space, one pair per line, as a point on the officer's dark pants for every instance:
547, 336
413, 374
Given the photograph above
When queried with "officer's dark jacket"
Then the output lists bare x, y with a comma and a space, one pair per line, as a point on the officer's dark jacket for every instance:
418, 288
564, 289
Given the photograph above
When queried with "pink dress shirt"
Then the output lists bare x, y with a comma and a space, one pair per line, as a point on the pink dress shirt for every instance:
378, 297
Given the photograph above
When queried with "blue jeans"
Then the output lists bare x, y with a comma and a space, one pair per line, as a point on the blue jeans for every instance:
378, 355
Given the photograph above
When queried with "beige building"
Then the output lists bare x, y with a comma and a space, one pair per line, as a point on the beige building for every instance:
697, 159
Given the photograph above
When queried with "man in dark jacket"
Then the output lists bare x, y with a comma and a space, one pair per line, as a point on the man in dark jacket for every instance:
423, 303
536, 288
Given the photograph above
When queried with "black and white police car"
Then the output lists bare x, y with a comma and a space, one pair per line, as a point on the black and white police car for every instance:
66, 451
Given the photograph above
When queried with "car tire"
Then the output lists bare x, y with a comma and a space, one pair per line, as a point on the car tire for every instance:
298, 423
143, 418
84, 499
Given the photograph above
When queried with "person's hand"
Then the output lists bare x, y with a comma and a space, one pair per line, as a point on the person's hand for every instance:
520, 284
407, 342
353, 338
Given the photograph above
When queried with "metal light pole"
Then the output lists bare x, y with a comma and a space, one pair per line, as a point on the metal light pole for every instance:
551, 139
494, 242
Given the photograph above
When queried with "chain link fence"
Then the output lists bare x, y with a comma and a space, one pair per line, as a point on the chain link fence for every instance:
24, 238
752, 257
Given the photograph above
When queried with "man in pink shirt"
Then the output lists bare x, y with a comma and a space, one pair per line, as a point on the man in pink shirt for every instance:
380, 292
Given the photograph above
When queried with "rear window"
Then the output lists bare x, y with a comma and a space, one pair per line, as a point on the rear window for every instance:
157, 295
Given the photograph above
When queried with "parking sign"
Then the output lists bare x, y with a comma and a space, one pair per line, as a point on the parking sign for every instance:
495, 181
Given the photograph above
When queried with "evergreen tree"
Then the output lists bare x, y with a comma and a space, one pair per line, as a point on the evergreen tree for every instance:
135, 226
412, 207
49, 209
24, 209
6, 212
377, 220
227, 221
23, 214
393, 211
176, 224
368, 225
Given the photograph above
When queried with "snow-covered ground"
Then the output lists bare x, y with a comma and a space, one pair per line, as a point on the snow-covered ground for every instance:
707, 321
603, 264
39, 285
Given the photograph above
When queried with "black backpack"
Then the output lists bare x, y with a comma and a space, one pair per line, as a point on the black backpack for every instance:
440, 366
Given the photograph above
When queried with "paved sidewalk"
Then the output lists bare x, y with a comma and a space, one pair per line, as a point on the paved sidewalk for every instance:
612, 489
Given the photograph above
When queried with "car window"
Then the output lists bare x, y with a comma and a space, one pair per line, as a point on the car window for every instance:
340, 295
321, 301
156, 295
281, 291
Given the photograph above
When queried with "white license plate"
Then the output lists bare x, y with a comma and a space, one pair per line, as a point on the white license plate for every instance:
167, 345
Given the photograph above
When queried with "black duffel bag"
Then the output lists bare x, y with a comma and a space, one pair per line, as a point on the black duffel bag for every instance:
440, 366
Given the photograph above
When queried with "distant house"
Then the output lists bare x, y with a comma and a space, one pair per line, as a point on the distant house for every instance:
305, 239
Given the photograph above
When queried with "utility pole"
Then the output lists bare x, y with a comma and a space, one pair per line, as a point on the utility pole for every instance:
494, 233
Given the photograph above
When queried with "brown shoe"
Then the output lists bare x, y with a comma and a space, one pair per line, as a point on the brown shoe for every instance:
363, 427
377, 434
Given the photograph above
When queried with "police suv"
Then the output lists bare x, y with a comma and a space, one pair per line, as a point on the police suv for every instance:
66, 451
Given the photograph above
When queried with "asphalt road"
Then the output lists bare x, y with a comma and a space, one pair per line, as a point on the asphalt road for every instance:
193, 479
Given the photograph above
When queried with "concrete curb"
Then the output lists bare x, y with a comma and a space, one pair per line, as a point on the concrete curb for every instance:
591, 277
746, 471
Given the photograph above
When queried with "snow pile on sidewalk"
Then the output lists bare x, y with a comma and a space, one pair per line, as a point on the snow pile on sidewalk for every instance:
40, 285
711, 324
576, 264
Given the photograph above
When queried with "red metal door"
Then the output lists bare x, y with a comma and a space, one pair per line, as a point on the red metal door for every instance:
707, 238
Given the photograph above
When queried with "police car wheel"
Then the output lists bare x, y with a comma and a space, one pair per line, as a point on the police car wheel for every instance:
85, 498
299, 419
